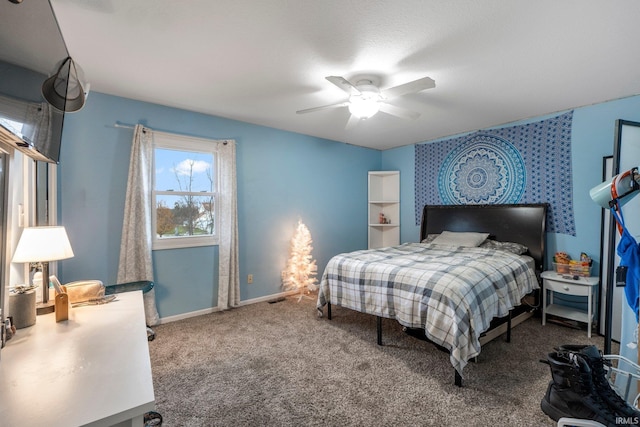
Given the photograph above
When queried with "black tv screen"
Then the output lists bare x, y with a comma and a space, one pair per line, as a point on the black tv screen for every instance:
31, 47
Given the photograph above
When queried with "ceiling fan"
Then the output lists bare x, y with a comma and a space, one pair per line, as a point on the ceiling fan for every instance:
366, 99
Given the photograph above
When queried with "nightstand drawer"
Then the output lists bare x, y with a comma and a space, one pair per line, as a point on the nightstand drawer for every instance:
567, 288
582, 286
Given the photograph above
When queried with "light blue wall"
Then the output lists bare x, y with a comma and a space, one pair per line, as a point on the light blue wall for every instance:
402, 159
282, 177
592, 138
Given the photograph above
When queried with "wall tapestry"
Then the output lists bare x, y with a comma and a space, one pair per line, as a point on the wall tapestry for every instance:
528, 163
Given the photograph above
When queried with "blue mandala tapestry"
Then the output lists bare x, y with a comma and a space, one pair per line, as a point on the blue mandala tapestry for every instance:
517, 164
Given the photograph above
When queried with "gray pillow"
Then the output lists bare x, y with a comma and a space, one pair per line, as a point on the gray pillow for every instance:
429, 238
457, 238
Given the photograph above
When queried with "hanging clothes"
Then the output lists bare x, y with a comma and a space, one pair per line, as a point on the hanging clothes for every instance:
629, 252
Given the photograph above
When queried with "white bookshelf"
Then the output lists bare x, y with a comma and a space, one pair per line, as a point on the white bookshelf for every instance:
384, 198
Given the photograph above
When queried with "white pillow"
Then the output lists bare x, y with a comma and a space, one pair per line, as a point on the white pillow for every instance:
455, 238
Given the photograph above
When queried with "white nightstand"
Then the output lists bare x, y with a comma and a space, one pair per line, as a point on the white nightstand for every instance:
566, 284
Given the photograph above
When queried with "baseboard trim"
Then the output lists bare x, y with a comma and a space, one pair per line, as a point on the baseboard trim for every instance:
267, 298
177, 317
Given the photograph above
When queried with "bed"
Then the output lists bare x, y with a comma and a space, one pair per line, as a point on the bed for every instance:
458, 296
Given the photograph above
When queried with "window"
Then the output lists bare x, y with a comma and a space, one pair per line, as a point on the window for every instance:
185, 191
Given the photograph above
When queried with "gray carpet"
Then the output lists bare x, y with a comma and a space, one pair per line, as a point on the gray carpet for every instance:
280, 365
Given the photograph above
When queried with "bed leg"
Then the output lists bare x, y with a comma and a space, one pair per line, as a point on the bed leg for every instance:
509, 327
379, 329
458, 378
329, 310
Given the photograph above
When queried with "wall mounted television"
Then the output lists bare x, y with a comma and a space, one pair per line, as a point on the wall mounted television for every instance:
31, 47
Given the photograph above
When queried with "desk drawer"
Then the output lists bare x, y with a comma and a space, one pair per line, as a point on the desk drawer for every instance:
567, 288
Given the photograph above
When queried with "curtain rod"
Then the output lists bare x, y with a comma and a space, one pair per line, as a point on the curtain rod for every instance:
125, 126
118, 125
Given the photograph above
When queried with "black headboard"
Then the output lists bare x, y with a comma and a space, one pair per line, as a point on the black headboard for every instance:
520, 223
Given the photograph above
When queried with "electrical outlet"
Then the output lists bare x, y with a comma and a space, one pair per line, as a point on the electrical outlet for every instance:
250, 278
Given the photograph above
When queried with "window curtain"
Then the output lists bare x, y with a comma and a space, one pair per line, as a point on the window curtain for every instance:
228, 271
135, 247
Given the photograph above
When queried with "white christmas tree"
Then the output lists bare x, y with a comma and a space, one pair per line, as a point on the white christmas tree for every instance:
301, 267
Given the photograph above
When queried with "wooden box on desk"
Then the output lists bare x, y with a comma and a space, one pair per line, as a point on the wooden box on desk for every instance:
62, 306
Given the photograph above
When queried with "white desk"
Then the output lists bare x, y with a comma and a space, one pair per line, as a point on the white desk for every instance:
91, 370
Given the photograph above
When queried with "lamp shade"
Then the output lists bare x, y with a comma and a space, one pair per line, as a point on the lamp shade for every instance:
601, 193
624, 184
43, 244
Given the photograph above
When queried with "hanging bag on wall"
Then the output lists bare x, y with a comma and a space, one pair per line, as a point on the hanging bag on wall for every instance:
629, 252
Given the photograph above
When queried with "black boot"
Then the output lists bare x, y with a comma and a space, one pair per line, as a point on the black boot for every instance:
593, 357
571, 392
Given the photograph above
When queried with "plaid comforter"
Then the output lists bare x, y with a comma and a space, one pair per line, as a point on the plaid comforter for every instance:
450, 292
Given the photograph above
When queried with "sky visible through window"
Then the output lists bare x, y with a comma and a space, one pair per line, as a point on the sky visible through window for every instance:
185, 206
174, 167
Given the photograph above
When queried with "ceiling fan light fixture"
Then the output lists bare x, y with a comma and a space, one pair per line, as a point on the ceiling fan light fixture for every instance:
362, 107
366, 99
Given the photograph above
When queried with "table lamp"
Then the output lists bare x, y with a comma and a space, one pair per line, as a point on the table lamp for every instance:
43, 244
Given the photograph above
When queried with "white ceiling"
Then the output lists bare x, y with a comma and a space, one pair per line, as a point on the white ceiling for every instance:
258, 61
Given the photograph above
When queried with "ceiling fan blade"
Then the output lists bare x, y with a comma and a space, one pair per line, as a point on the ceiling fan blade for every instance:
398, 111
343, 84
353, 121
410, 87
324, 107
